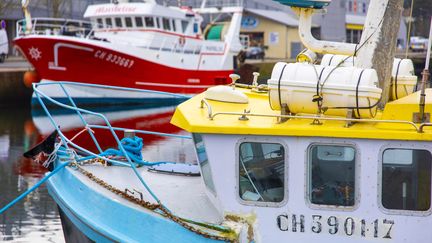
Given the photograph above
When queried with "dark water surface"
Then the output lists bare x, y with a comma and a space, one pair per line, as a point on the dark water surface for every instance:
36, 218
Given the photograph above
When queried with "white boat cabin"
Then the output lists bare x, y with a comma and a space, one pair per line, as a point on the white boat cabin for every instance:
305, 181
141, 17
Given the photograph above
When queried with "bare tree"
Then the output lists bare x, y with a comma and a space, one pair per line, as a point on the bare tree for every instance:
56, 6
7, 5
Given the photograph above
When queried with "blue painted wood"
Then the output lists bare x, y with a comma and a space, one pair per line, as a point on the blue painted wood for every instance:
317, 4
103, 219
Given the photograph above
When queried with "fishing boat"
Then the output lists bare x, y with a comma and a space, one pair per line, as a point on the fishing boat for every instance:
309, 157
140, 45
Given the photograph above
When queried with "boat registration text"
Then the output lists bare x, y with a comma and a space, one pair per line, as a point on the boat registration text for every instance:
348, 226
115, 59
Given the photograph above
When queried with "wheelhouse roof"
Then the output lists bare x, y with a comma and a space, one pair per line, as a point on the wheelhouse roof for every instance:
132, 9
190, 117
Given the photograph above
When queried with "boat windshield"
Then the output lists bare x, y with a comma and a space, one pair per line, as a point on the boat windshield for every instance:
332, 175
261, 172
406, 179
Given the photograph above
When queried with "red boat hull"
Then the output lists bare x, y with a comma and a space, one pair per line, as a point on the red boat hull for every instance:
78, 61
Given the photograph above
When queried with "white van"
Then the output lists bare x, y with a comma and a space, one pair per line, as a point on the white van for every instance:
4, 43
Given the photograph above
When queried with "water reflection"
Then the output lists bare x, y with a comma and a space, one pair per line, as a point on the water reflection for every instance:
36, 218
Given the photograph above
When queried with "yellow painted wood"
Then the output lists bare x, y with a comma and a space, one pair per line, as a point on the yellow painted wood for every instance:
354, 26
190, 117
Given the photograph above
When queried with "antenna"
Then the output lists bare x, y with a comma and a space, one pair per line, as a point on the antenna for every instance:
203, 4
425, 78
28, 21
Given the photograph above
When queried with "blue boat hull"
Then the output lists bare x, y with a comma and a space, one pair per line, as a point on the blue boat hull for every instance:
101, 218
70, 231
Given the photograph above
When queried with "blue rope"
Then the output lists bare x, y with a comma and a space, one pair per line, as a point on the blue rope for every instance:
133, 147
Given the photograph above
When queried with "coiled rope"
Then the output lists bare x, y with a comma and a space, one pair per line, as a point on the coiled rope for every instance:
133, 147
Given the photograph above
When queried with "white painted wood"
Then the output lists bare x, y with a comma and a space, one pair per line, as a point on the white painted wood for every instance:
221, 150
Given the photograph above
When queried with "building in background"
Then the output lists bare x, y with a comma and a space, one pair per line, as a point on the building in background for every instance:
274, 32
344, 22
11, 11
268, 28
275, 29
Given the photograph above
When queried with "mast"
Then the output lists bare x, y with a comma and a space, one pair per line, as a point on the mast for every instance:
422, 116
378, 42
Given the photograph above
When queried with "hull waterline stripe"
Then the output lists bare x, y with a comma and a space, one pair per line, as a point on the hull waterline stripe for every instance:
174, 85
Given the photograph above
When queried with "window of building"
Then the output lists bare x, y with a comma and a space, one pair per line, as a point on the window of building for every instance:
332, 170
195, 28
149, 22
364, 7
173, 24
108, 22
118, 22
350, 6
158, 23
203, 162
406, 179
139, 22
128, 22
261, 172
184, 25
166, 24
353, 36
99, 23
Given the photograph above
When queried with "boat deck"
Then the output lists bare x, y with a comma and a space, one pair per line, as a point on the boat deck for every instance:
199, 115
183, 195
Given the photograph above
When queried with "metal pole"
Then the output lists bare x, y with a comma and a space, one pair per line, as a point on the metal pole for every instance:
425, 77
408, 41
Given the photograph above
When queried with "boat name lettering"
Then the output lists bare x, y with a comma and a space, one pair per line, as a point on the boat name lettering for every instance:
347, 226
214, 48
115, 9
118, 60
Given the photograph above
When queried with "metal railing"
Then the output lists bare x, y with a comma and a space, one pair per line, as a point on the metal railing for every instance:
85, 29
55, 26
243, 115
70, 145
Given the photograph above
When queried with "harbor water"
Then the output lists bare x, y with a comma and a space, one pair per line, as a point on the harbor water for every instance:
36, 218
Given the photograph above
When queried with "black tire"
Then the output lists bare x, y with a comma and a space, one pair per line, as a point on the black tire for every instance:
2, 58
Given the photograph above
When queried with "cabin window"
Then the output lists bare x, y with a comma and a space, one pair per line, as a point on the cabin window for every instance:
166, 24
139, 22
203, 162
158, 23
174, 25
118, 22
108, 22
149, 22
261, 172
128, 22
195, 28
332, 175
184, 25
99, 23
406, 179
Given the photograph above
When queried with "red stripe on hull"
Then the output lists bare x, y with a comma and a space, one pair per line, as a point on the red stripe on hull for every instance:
80, 62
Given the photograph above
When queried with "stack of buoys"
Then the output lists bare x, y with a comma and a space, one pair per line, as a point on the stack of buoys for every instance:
30, 77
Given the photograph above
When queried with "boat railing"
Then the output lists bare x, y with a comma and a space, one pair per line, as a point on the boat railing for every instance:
74, 148
54, 26
314, 118
215, 3
86, 29
169, 44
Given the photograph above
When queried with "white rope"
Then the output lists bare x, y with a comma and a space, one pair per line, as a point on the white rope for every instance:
51, 157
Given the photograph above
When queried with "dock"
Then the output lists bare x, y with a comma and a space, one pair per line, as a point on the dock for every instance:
13, 92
